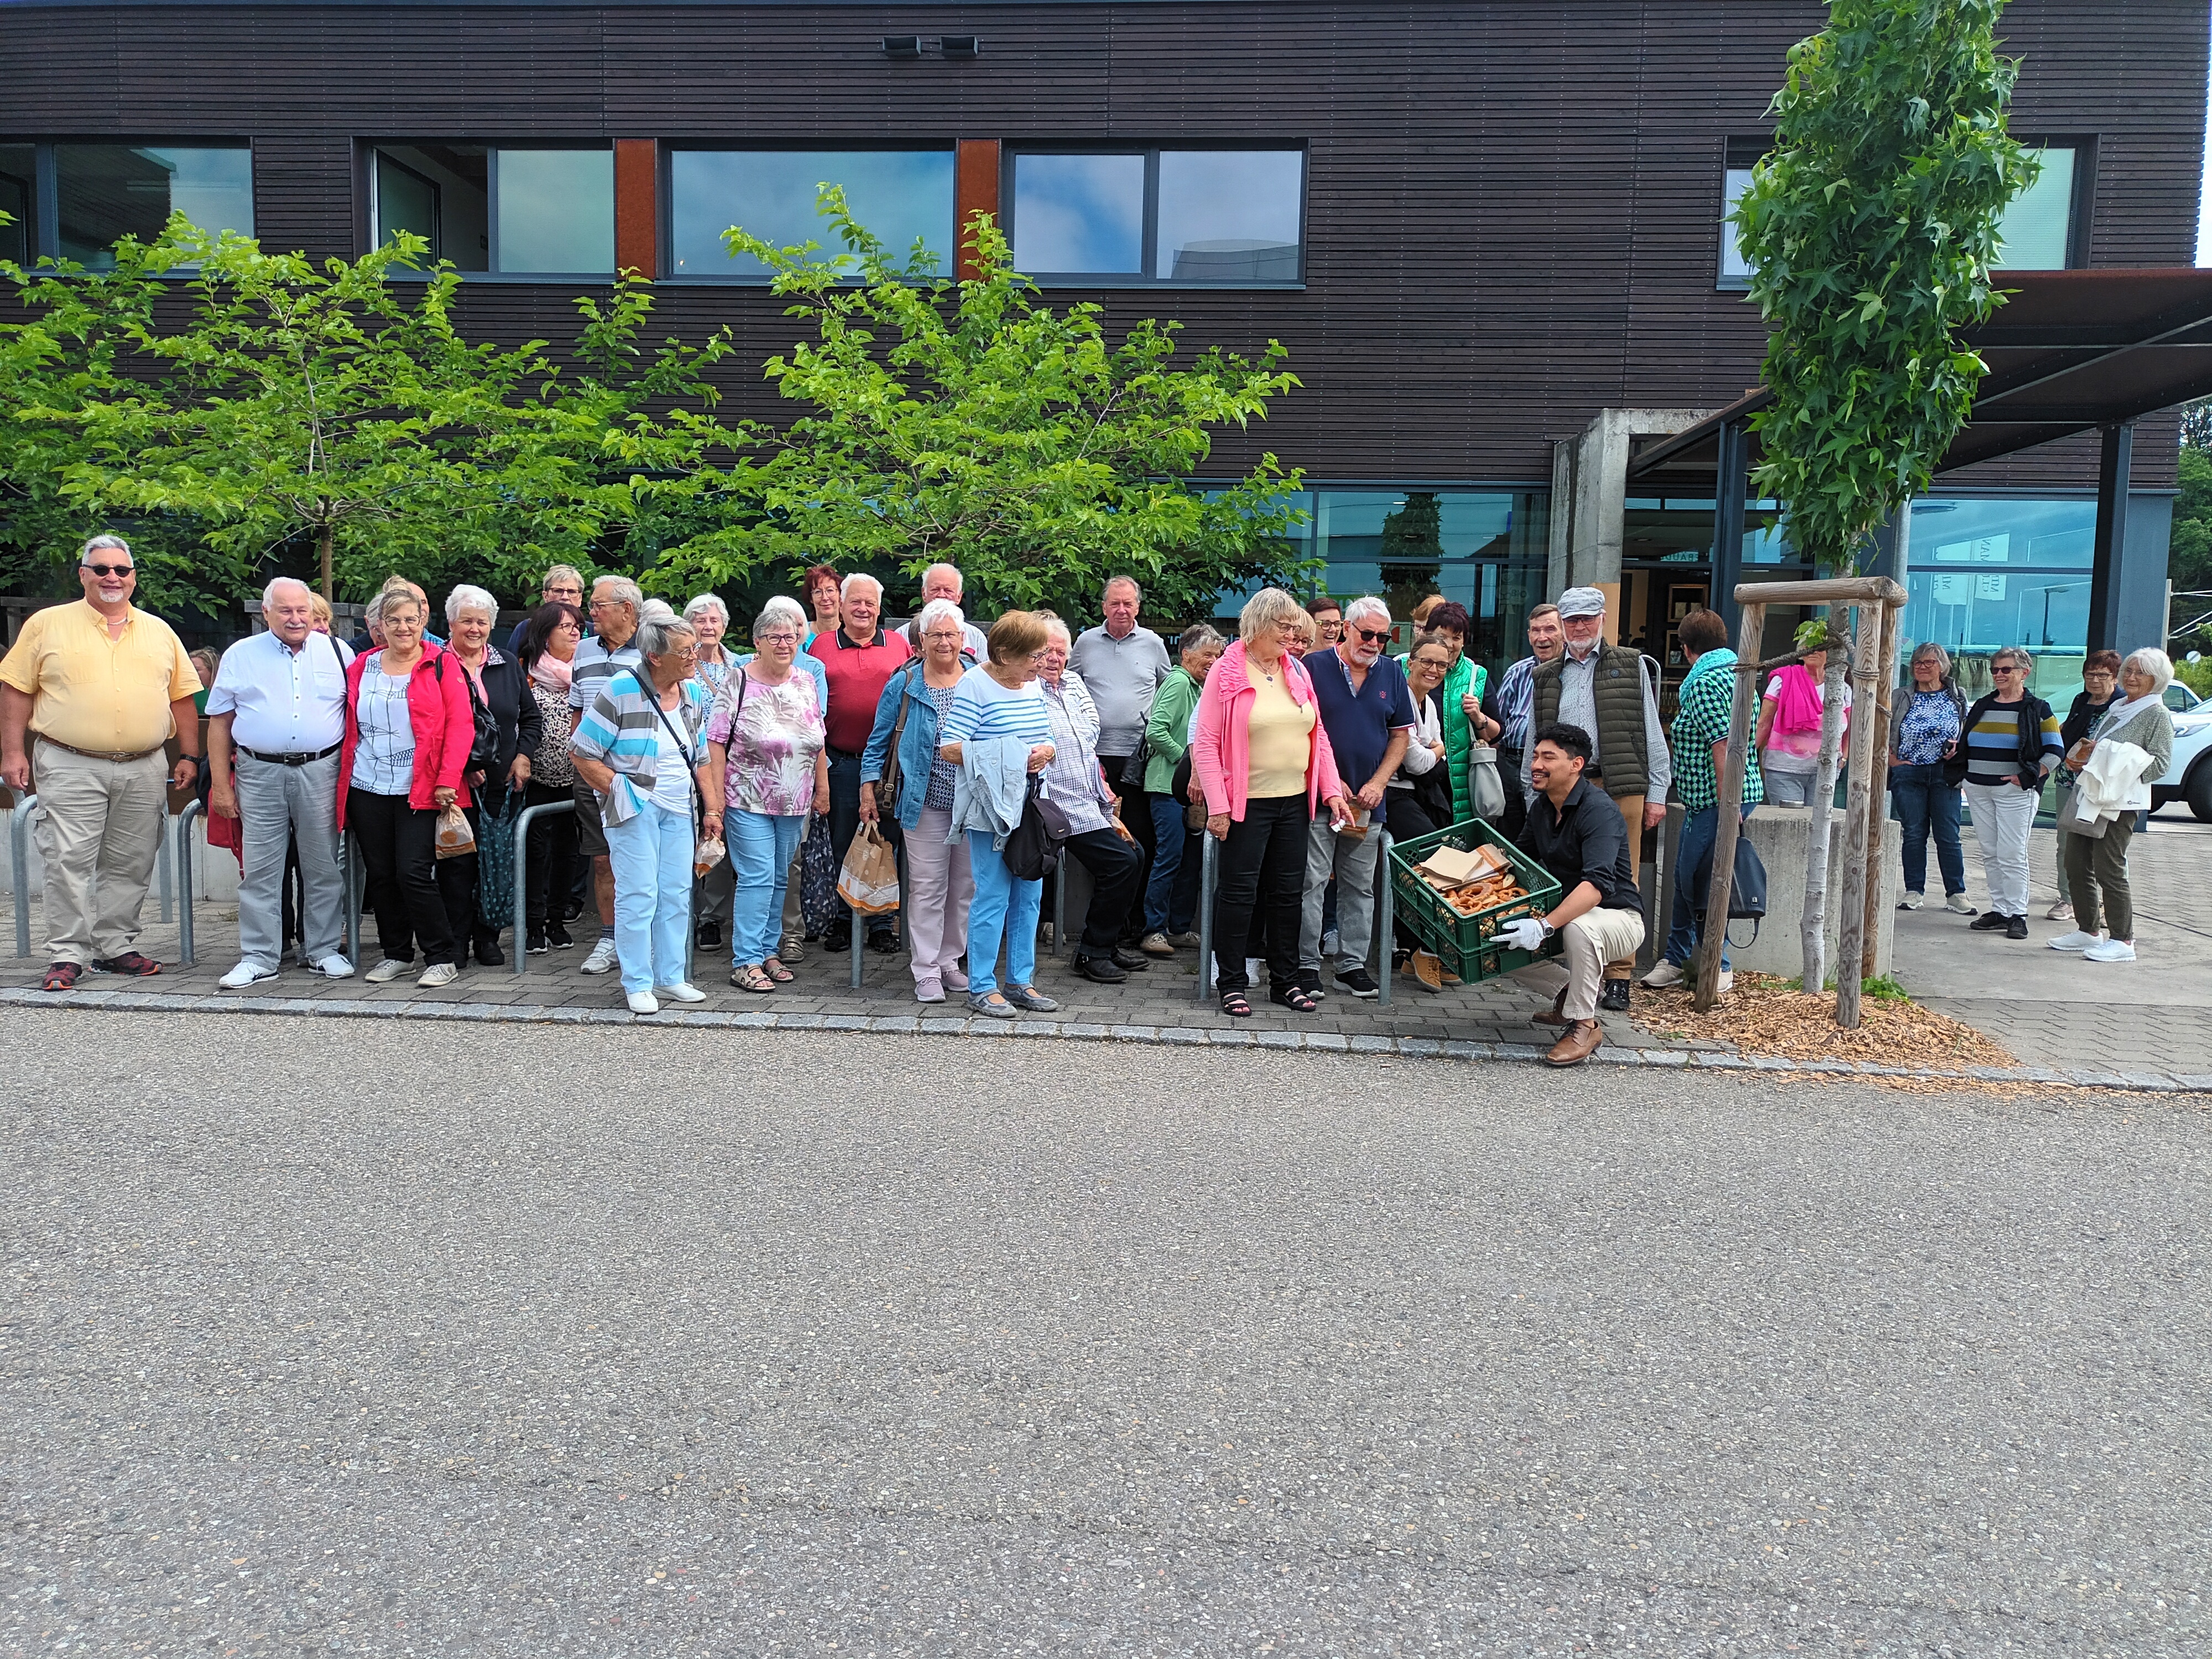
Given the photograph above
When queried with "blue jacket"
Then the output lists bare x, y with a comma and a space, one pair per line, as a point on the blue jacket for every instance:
917, 743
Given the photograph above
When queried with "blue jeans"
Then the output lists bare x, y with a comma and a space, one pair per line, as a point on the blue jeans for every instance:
652, 858
1920, 798
1002, 908
1167, 834
1695, 845
761, 849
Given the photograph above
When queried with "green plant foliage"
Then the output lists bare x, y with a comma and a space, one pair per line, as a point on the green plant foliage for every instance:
966, 422
2189, 556
1871, 226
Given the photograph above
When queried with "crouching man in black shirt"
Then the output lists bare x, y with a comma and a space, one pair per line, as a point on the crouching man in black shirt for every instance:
1574, 830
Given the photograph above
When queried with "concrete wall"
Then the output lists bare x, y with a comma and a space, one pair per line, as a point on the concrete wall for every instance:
1589, 490
1780, 833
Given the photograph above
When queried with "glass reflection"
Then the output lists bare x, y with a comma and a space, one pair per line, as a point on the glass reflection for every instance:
557, 211
2037, 225
18, 192
110, 190
1230, 216
901, 196
1079, 214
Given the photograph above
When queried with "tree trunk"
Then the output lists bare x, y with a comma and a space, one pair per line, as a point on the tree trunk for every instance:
326, 534
1858, 866
1813, 929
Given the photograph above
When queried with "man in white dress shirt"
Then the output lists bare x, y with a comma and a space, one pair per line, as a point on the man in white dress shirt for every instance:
278, 705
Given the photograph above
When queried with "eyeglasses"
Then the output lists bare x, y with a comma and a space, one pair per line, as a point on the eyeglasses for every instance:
2006, 668
1372, 636
113, 569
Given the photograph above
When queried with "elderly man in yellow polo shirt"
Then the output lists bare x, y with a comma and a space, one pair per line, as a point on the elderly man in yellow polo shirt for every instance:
98, 687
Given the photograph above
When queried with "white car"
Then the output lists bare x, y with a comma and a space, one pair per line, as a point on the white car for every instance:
2190, 778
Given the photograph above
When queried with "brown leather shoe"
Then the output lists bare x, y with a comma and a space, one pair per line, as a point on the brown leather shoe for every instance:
1579, 1043
1558, 1016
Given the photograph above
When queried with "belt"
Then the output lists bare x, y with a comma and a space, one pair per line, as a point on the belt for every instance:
291, 760
839, 754
116, 755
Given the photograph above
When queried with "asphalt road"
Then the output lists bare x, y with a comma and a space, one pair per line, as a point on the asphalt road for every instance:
611, 1342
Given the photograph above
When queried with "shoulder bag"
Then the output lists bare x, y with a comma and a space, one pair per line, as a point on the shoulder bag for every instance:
887, 787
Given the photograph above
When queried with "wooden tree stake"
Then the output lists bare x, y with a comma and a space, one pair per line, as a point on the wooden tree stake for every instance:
1851, 948
1893, 624
1750, 630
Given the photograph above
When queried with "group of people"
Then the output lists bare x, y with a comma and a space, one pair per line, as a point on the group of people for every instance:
711, 790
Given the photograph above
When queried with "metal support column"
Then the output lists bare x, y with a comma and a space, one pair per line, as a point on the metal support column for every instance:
354, 875
186, 945
19, 852
1385, 918
1207, 847
1731, 484
2110, 554
165, 866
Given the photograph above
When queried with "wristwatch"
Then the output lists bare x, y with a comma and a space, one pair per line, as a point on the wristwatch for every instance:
1548, 929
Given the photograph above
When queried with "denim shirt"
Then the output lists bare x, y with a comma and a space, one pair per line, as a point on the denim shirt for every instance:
917, 743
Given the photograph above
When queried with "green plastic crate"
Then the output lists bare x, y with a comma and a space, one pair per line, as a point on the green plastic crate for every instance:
1468, 943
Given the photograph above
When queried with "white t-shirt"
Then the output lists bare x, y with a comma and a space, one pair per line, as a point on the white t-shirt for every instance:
671, 773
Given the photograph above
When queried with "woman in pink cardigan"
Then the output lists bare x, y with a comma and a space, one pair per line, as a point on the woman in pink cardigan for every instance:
1261, 754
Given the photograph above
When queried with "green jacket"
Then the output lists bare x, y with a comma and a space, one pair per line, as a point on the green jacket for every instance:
1167, 730
1465, 677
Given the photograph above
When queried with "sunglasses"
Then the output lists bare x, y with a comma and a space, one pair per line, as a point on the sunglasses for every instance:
1372, 636
2007, 668
113, 569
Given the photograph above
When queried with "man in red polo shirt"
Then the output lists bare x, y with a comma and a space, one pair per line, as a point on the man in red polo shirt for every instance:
858, 658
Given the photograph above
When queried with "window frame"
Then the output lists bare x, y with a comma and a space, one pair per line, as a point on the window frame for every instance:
1737, 153
1013, 151
664, 188
371, 216
43, 233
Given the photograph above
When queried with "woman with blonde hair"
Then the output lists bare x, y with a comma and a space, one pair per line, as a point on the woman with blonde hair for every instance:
1262, 758
2097, 863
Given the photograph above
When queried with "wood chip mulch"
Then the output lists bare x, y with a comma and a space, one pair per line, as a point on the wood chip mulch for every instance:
1762, 1016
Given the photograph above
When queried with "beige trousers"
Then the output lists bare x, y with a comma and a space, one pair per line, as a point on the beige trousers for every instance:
99, 830
1631, 817
1589, 944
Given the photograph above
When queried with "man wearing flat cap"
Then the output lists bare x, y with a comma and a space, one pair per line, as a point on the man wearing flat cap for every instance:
1608, 692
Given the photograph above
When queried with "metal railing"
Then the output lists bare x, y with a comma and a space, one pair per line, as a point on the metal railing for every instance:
1386, 915
186, 943
522, 880
19, 850
355, 874
162, 861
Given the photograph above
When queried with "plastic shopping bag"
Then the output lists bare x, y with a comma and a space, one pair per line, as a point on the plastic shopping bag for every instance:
455, 839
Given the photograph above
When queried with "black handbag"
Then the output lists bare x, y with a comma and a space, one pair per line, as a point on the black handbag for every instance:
1133, 769
1032, 852
1747, 891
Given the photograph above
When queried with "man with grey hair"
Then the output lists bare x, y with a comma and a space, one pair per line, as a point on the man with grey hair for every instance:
277, 713
617, 602
859, 660
563, 585
1367, 710
944, 581
1121, 665
90, 694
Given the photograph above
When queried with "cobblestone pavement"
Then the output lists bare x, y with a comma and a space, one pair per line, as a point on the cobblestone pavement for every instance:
2051, 1009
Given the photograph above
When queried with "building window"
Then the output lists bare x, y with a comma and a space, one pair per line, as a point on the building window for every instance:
100, 193
1983, 573
499, 210
18, 195
1742, 155
2038, 228
1224, 217
903, 196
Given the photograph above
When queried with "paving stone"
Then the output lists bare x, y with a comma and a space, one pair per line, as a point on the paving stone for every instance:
1136, 1033
1419, 1047
1183, 1036
1374, 1045
1676, 1057
1036, 1028
1232, 1039
1522, 1051
2193, 1081
1335, 1041
1774, 1063
1280, 1039
2101, 1079
1729, 1062
1610, 1055
1081, 1029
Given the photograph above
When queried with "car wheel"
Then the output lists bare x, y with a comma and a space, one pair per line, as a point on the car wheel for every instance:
2200, 791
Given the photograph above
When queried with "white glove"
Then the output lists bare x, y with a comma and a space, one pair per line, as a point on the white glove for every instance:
1526, 934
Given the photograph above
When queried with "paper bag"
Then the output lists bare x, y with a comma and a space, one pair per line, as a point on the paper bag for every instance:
869, 882
455, 839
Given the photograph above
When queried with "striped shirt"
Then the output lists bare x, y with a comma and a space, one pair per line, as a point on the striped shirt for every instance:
595, 664
1992, 746
983, 709
1515, 701
623, 729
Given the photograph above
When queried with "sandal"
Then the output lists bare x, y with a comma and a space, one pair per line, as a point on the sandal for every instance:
776, 971
1236, 1005
747, 977
1295, 998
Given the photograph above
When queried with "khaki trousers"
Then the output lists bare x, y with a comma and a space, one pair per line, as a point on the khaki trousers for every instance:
1590, 945
1632, 817
99, 830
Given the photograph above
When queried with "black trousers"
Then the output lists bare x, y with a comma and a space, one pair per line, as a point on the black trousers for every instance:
1137, 815
457, 885
1258, 881
844, 825
552, 852
400, 851
1117, 870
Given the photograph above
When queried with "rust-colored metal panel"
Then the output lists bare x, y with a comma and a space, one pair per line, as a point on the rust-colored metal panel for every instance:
975, 189
637, 205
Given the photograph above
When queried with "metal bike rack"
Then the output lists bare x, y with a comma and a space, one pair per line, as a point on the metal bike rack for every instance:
1060, 905
355, 874
19, 848
1206, 882
184, 839
163, 863
522, 878
1385, 919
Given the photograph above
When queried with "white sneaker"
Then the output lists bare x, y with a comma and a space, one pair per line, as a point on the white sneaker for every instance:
2077, 940
246, 974
681, 991
602, 961
643, 1002
438, 973
1958, 904
1726, 982
1666, 974
2111, 950
2061, 911
334, 966
386, 971
1911, 901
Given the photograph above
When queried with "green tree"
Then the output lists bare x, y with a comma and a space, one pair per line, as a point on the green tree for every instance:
289, 408
1870, 227
967, 421
2189, 559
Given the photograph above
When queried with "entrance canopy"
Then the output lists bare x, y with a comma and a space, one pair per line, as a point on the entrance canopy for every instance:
2070, 351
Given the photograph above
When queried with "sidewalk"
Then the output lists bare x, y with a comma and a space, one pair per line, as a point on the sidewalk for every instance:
2050, 1008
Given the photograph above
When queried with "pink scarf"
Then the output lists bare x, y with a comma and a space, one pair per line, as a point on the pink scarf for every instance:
549, 671
1797, 709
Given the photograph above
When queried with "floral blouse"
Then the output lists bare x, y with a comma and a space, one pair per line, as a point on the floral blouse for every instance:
773, 742
1928, 726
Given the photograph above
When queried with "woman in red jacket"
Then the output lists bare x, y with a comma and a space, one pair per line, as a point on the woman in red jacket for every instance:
408, 728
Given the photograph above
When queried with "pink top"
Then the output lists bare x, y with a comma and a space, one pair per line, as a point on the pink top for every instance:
1221, 747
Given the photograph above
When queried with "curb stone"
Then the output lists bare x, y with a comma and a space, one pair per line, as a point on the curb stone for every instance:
495, 1013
